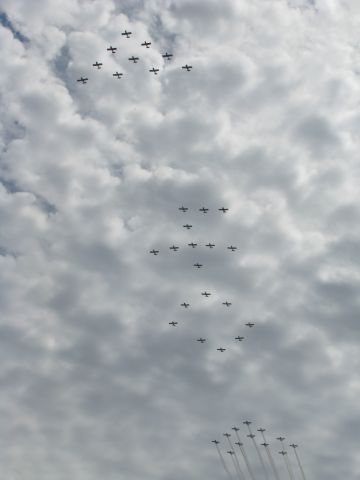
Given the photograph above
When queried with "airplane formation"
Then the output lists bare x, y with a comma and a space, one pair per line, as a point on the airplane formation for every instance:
112, 50
175, 248
244, 466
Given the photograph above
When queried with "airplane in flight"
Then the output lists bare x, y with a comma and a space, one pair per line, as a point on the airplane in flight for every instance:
201, 340
187, 67
206, 294
155, 252
262, 430
183, 209
127, 34
283, 452
210, 245
265, 444
83, 80
281, 439
167, 55
146, 44
187, 226
250, 324
154, 70
226, 434
174, 248
236, 429
221, 350
215, 441
226, 303
203, 209
239, 444
247, 422
173, 323
251, 435
111, 49
186, 305
134, 59
232, 248
239, 338
192, 244
117, 74
198, 265
230, 452
97, 64
293, 445
222, 209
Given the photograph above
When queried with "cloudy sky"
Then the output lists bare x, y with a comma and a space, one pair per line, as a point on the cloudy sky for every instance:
94, 381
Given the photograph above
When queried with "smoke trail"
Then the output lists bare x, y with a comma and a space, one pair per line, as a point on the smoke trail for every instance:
298, 461
286, 460
268, 452
237, 464
252, 436
223, 462
232, 454
246, 460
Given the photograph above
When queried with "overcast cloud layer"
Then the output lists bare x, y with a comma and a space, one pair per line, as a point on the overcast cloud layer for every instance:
94, 381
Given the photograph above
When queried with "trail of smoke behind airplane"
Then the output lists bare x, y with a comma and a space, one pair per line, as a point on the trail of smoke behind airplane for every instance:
223, 462
271, 460
252, 436
246, 460
237, 464
299, 463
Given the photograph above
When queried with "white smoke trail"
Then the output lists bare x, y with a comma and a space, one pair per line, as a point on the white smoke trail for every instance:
237, 464
298, 461
252, 436
223, 462
268, 452
246, 460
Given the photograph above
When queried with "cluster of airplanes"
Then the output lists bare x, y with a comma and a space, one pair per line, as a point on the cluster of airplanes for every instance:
206, 294
118, 75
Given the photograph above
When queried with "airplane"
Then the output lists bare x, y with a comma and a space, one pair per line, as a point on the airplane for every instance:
167, 55
281, 439
239, 338
198, 265
83, 80
154, 70
251, 435
146, 44
173, 323
117, 74
203, 209
97, 64
134, 59
222, 209
231, 452
215, 441
247, 422
174, 248
283, 452
239, 443
249, 324
155, 252
187, 226
261, 430
111, 49
226, 434
221, 350
210, 245
201, 340
236, 429
127, 34
206, 294
187, 67
265, 444
186, 305
226, 303
192, 244
293, 445
232, 248
183, 209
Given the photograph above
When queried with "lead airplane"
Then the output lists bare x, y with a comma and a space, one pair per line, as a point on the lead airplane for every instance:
222, 209
187, 67
232, 248
210, 245
198, 265
226, 303
146, 44
111, 49
203, 209
127, 34
186, 305
206, 294
97, 64
201, 340
173, 323
155, 252
167, 55
187, 226
192, 244
183, 209
83, 80
239, 338
133, 59
174, 248
154, 70
250, 324
117, 74
221, 350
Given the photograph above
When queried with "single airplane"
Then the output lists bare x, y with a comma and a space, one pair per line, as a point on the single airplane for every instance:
155, 252
250, 324
198, 265
183, 209
134, 59
265, 444
173, 323
187, 226
215, 441
192, 244
226, 303
251, 435
127, 34
206, 294
293, 445
221, 349
97, 64
187, 67
186, 305
210, 245
167, 55
117, 74
174, 248
283, 452
222, 209
226, 434
232, 248
111, 49
201, 340
83, 80
154, 70
281, 439
231, 452
146, 44
203, 209
247, 422
236, 429
239, 338
239, 444
262, 430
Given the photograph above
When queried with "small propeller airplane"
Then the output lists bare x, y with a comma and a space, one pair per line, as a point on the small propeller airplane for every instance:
283, 452
239, 444
236, 429
183, 209
262, 430
197, 265
210, 245
133, 59
146, 44
251, 435
232, 248
227, 435
215, 441
239, 338
221, 350
187, 226
185, 305
250, 324
127, 34
174, 248
154, 71
293, 445
281, 439
265, 444
201, 340
83, 80
203, 209
111, 49
247, 422
167, 55
226, 303
187, 67
117, 74
192, 244
206, 294
173, 323
154, 252
97, 64
230, 452
222, 209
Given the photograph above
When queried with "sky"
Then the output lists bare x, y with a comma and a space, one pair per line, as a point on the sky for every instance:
94, 381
